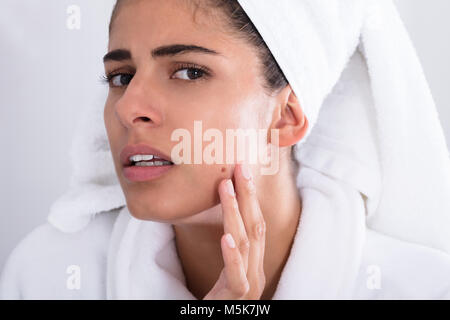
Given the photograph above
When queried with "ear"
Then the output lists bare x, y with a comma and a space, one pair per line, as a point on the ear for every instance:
288, 118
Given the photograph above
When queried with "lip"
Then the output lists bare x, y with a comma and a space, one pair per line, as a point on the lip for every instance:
139, 174
140, 148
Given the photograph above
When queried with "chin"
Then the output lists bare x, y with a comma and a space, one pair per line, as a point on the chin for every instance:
171, 199
167, 209
154, 208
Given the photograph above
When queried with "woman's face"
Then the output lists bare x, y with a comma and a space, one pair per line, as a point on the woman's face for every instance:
229, 96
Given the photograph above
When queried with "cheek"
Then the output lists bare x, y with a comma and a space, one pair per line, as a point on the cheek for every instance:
108, 113
206, 179
107, 121
156, 201
220, 104
115, 131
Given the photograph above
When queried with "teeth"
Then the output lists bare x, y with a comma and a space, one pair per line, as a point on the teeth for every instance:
143, 157
153, 163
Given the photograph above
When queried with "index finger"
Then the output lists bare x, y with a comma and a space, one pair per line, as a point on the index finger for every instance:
254, 223
232, 220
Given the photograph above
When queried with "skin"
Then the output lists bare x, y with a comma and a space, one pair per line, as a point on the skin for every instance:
231, 97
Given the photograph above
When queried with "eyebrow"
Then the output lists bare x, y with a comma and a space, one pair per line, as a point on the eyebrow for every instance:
168, 50
117, 55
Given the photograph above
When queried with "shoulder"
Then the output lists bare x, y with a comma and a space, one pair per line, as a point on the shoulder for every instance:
39, 265
395, 269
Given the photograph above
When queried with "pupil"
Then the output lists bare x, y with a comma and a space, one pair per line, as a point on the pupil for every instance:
125, 79
194, 73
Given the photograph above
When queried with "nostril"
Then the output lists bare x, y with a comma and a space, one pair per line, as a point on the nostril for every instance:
142, 119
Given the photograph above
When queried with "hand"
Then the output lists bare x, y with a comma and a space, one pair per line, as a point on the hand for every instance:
243, 275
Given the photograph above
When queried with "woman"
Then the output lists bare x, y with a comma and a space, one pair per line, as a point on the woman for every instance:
224, 230
224, 92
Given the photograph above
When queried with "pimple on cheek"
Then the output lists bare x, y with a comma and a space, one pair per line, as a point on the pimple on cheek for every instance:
227, 172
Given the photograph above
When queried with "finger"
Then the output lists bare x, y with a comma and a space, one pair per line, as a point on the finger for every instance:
232, 220
235, 274
254, 224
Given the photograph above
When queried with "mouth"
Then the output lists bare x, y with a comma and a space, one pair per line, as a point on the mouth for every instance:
142, 162
148, 161
143, 155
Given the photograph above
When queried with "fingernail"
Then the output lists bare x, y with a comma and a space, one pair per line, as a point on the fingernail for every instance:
230, 241
245, 171
230, 188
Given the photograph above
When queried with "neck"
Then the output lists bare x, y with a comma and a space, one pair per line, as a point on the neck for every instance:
198, 243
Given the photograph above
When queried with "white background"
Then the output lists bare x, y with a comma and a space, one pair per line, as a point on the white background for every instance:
49, 74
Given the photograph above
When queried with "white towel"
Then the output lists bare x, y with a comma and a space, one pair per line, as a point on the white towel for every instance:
374, 160
319, 36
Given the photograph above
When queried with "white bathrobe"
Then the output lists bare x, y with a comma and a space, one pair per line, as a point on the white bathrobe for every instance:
335, 254
40, 266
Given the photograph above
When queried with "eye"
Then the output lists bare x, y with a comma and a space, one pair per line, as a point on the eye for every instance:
190, 72
118, 79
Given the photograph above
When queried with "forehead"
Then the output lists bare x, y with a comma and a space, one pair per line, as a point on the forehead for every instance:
155, 22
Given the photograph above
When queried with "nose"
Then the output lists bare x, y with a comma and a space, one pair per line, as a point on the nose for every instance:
138, 104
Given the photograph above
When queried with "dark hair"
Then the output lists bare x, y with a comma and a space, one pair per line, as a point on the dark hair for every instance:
241, 25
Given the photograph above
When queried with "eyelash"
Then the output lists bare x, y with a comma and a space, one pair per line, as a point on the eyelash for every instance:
181, 66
